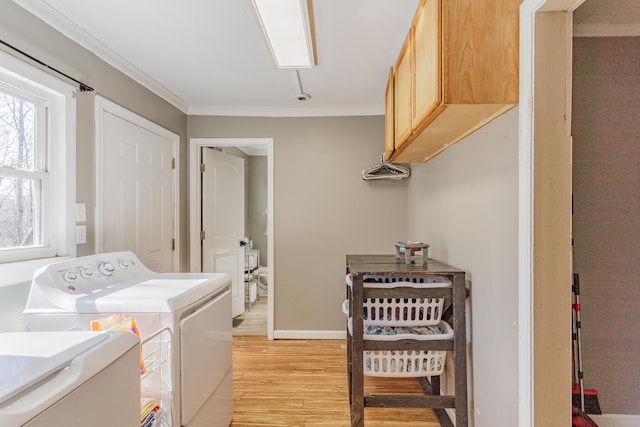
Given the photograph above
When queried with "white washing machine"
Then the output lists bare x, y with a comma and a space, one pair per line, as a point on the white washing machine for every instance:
71, 379
184, 320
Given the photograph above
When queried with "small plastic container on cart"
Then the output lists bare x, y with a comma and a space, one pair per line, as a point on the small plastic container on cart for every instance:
416, 252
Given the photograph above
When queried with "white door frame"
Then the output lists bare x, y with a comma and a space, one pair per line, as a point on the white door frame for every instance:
103, 105
528, 11
195, 208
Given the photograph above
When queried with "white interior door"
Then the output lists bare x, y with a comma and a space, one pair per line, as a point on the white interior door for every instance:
223, 220
136, 201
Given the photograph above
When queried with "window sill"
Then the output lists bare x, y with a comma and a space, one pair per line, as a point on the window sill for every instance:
15, 273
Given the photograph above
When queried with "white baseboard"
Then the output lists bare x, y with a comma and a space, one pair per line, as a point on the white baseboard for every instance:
616, 420
310, 335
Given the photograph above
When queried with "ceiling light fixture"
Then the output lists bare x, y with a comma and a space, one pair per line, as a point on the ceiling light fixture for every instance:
301, 95
287, 27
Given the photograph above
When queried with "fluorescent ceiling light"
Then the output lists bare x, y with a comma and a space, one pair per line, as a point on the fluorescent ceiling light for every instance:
286, 25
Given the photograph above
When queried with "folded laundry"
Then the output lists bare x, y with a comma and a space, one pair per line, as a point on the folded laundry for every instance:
397, 330
148, 422
148, 408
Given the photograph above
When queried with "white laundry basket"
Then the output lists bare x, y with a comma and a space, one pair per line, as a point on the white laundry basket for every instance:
404, 363
402, 311
402, 314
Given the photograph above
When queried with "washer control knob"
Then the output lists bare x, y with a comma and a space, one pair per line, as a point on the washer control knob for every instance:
86, 273
70, 276
123, 264
106, 269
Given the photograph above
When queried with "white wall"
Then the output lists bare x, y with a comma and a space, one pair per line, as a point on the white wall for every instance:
464, 203
257, 194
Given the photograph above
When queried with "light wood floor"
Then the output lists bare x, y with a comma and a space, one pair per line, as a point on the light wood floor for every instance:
254, 320
304, 383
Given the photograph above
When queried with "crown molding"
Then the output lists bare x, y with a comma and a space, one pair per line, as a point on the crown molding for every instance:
56, 20
360, 110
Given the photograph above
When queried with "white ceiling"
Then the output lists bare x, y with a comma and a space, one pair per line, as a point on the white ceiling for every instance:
211, 57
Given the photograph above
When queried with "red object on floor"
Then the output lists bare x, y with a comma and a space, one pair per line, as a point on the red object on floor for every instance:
581, 419
591, 404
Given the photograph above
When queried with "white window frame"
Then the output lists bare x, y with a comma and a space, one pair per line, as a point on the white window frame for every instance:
59, 192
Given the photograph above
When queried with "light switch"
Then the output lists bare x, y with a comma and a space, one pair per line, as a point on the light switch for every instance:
81, 212
81, 234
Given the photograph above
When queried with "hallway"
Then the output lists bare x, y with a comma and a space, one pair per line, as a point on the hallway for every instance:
253, 322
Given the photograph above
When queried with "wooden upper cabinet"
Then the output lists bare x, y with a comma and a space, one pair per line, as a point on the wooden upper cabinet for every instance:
389, 129
427, 79
403, 97
463, 73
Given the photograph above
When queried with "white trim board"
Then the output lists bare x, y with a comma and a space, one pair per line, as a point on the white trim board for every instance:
362, 110
525, 218
528, 12
616, 420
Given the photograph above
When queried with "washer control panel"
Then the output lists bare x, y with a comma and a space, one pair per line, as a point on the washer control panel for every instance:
92, 273
65, 284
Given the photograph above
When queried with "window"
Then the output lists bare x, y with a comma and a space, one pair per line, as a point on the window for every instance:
23, 174
37, 163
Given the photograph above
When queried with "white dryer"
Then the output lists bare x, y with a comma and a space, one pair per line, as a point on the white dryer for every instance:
71, 379
184, 320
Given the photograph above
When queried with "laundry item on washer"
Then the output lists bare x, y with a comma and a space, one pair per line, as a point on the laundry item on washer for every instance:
117, 322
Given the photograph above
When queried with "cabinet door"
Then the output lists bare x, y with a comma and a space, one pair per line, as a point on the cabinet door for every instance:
427, 62
389, 131
403, 97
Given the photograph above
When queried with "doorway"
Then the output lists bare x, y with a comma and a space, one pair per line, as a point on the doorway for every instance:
195, 207
545, 208
606, 49
545, 211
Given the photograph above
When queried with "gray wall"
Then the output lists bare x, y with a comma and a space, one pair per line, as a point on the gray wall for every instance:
606, 220
323, 209
464, 203
22, 30
257, 204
